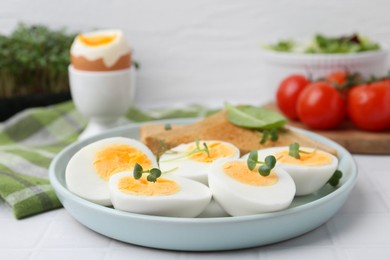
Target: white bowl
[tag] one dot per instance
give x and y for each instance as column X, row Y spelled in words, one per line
column 278, row 65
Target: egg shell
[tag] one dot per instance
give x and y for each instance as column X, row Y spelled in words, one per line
column 308, row 179
column 187, row 168
column 81, row 177
column 191, row 200
column 239, row 199
column 84, row 64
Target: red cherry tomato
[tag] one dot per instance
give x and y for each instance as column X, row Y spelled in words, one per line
column 337, row 78
column 288, row 92
column 321, row 106
column 369, row 106
column 343, row 80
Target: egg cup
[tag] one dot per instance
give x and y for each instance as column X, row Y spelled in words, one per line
column 103, row 97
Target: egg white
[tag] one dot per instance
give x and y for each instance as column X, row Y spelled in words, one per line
column 187, row 168
column 191, row 200
column 81, row 176
column 109, row 53
column 239, row 199
column 307, row 179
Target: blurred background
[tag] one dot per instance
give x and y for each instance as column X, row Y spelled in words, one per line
column 203, row 52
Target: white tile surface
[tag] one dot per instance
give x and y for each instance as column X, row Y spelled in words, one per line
column 299, row 253
column 376, row 253
column 14, row 254
column 67, row 254
column 361, row 230
column 65, row 232
column 21, row 234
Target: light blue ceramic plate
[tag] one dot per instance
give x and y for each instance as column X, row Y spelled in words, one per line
column 204, row 234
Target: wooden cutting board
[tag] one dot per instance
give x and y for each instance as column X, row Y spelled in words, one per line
column 353, row 139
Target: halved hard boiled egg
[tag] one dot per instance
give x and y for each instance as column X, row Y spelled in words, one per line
column 182, row 161
column 89, row 170
column 170, row 196
column 311, row 172
column 241, row 191
column 102, row 50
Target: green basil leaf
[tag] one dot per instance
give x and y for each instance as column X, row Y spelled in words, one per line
column 254, row 117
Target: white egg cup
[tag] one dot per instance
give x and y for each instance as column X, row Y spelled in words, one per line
column 103, row 97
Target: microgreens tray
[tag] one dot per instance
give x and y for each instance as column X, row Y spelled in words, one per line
column 204, row 234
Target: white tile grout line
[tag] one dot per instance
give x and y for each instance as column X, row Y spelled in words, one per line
column 44, row 234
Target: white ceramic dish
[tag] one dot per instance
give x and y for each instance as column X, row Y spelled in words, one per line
column 204, row 234
column 278, row 65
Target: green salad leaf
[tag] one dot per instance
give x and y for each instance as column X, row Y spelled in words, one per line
column 353, row 43
column 283, row 46
column 254, row 117
column 344, row 44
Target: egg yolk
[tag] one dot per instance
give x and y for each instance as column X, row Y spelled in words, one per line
column 216, row 150
column 96, row 40
column 145, row 188
column 117, row 158
column 240, row 172
column 315, row 158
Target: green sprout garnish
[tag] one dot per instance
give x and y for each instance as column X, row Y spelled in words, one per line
column 138, row 171
column 335, row 179
column 272, row 134
column 163, row 149
column 265, row 167
column 197, row 149
column 167, row 127
column 294, row 151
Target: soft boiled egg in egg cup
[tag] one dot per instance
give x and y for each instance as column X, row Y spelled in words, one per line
column 169, row 196
column 193, row 160
column 241, row 191
column 102, row 79
column 310, row 172
column 89, row 170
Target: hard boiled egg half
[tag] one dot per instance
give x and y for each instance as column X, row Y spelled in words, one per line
column 241, row 191
column 89, row 170
column 170, row 196
column 310, row 173
column 102, row 50
column 183, row 162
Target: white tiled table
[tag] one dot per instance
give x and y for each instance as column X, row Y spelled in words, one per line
column 360, row 230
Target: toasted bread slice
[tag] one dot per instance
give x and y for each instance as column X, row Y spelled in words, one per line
column 217, row 127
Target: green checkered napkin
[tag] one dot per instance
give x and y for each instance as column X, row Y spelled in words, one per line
column 31, row 139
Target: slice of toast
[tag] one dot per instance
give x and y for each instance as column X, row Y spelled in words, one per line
column 217, row 127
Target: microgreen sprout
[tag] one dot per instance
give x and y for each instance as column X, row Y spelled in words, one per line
column 294, row 151
column 154, row 173
column 265, row 167
column 335, row 179
column 272, row 134
column 167, row 127
column 198, row 149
